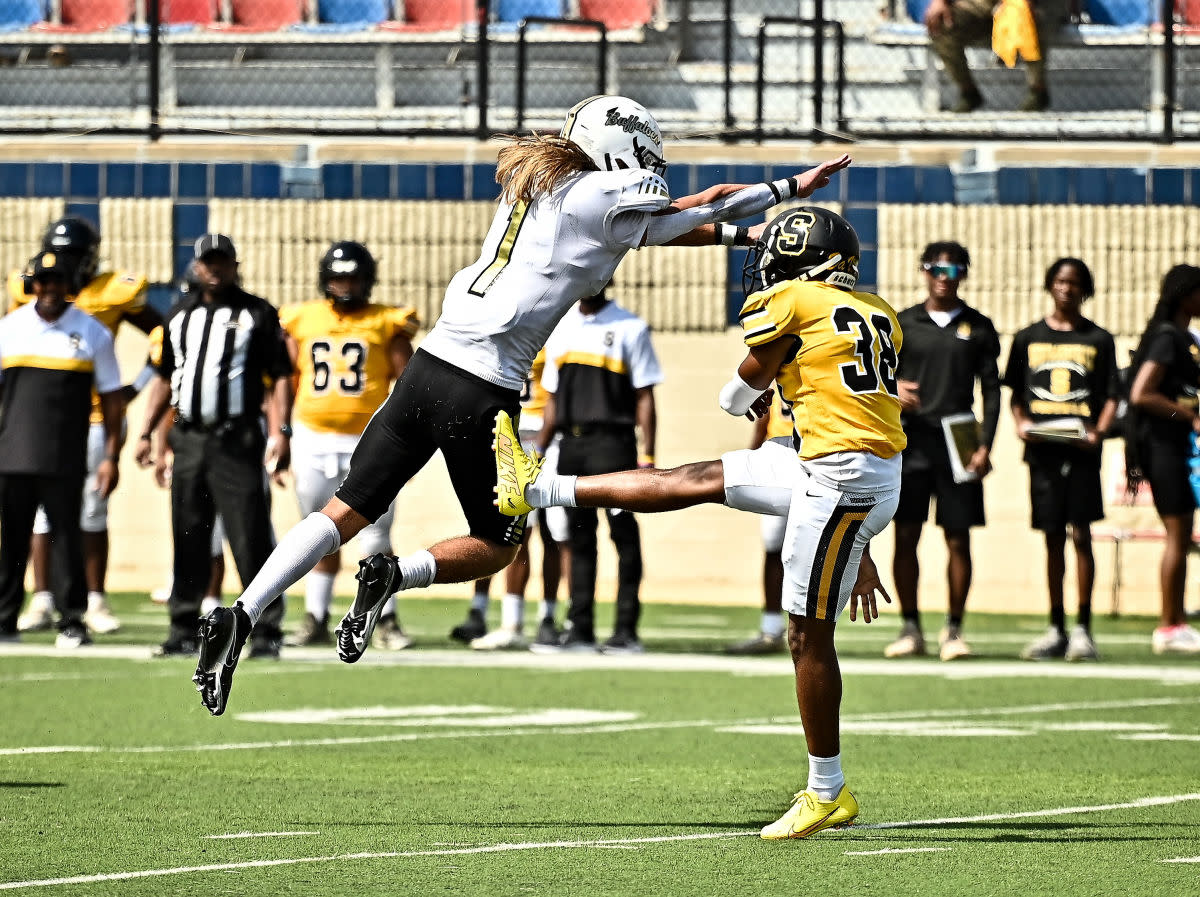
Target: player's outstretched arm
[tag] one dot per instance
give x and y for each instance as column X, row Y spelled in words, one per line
column 692, row 220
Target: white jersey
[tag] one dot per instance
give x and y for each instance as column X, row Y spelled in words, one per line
column 537, row 261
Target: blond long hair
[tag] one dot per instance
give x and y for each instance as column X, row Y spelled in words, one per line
column 533, row 165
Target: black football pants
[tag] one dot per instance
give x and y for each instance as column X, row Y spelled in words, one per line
column 602, row 451
column 62, row 497
column 218, row 471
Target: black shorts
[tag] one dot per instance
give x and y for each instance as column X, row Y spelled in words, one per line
column 1166, row 468
column 926, row 475
column 1064, row 488
column 435, row 405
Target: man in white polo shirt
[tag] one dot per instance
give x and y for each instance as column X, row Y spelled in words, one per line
column 51, row 354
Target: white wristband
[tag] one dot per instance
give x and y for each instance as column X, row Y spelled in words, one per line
column 737, row 396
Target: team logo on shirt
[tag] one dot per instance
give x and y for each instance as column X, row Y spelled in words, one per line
column 76, row 340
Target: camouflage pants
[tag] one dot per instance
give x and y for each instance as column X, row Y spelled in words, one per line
column 973, row 26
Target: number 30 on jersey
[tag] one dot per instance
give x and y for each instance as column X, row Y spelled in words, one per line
column 874, row 365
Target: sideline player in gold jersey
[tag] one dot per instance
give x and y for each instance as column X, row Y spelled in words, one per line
column 834, row 351
column 110, row 297
column 346, row 351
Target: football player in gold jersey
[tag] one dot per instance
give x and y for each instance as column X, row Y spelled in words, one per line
column 110, row 297
column 833, row 350
column 346, row 351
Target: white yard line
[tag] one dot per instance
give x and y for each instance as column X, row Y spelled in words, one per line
column 550, row 845
column 236, row 835
column 295, row 659
column 1183, row 860
column 891, row 850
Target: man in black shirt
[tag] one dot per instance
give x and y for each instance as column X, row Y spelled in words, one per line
column 948, row 346
column 1063, row 374
column 221, row 346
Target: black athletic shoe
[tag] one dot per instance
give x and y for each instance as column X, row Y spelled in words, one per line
column 547, row 633
column 265, row 648
column 311, row 631
column 473, row 627
column 222, row 634
column 378, row 577
column 177, row 647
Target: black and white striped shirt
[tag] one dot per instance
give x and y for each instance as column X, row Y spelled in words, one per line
column 220, row 355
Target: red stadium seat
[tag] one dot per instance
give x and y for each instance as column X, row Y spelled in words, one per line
column 434, row 15
column 95, row 15
column 188, row 12
column 617, row 14
column 266, row 15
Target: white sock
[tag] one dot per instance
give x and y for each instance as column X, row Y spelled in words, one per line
column 547, row 610
column 479, row 602
column 772, row 624
column 308, row 541
column 95, row 598
column 551, row 491
column 512, row 611
column 42, row 599
column 389, row 608
column 318, row 594
column 825, row 776
column 417, row 570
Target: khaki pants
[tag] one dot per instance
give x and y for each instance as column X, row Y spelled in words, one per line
column 973, row 26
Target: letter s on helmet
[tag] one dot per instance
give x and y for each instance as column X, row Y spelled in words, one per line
column 616, row 133
column 806, row 243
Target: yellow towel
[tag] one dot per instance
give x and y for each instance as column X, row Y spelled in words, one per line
column 1014, row 32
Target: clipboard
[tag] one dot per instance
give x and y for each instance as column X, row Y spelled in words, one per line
column 962, row 441
column 1060, row 429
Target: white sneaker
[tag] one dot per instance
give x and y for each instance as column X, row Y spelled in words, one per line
column 1049, row 645
column 161, row 595
column 99, row 618
column 911, row 642
column 502, row 639
column 952, row 645
column 39, row 615
column 1081, row 646
column 1181, row 639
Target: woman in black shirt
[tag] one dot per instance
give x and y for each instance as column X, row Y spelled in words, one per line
column 1163, row 404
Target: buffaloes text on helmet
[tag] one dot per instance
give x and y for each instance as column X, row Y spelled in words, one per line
column 76, row 239
column 616, row 132
column 805, row 243
column 347, row 258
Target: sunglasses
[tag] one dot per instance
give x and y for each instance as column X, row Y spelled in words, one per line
column 944, row 269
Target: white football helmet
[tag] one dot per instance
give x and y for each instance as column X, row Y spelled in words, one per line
column 616, row 133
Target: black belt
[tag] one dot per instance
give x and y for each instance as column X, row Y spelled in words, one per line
column 225, row 426
column 597, row 428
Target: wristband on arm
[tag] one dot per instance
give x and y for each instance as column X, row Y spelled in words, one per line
column 737, row 396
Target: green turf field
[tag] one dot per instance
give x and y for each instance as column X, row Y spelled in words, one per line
column 442, row 771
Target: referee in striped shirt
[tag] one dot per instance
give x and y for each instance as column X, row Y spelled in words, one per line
column 223, row 356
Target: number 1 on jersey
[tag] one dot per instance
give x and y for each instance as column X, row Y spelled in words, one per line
column 503, row 251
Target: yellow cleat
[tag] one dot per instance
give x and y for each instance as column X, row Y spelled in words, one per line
column 809, row 815
column 514, row 468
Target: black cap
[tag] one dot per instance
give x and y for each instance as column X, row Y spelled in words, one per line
column 215, row 243
column 52, row 263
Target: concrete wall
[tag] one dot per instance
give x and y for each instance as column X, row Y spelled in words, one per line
column 705, row 554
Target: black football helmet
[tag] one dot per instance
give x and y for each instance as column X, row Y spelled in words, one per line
column 348, row 259
column 805, row 243
column 78, row 240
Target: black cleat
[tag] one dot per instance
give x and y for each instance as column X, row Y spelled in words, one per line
column 222, row 634
column 473, row 627
column 378, row 578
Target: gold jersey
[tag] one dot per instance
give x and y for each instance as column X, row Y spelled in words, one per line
column 844, row 370
column 109, row 298
column 343, row 364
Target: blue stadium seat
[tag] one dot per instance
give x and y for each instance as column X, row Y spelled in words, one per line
column 20, row 13
column 515, row 10
column 353, row 12
column 1122, row 12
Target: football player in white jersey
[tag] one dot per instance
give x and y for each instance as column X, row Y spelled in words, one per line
column 571, row 207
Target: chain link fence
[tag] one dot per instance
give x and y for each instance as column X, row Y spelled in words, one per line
column 735, row 69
